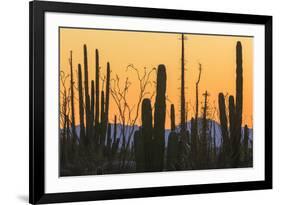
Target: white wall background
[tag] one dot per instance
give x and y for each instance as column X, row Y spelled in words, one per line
column 14, row 102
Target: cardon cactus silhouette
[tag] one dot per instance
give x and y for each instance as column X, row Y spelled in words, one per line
column 246, row 143
column 81, row 105
column 224, row 155
column 146, row 133
column 172, row 113
column 107, row 89
column 139, row 151
column 172, row 151
column 97, row 98
column 102, row 122
column 105, row 105
column 159, row 118
column 239, row 102
column 87, row 97
column 234, row 144
column 231, row 113
column 92, row 113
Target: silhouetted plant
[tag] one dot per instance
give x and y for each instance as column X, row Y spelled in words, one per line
column 246, row 144
column 159, row 118
column 172, row 151
column 183, row 111
column 87, row 97
column 204, row 154
column 81, row 106
column 239, row 104
column 146, row 134
column 97, row 99
column 172, row 113
column 224, row 155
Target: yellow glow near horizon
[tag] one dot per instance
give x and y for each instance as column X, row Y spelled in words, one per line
column 217, row 54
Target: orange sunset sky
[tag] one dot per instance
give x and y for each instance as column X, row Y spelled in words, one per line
column 217, row 54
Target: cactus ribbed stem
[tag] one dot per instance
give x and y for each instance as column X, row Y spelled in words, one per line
column 81, row 105
column 159, row 117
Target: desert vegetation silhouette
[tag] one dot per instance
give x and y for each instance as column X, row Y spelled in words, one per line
column 91, row 145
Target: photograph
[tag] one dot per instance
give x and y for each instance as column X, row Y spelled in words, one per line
column 133, row 101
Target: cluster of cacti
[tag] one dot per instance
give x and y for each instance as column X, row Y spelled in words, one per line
column 231, row 149
column 92, row 146
column 152, row 136
column 93, row 121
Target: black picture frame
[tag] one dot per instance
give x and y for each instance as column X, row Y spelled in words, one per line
column 37, row 11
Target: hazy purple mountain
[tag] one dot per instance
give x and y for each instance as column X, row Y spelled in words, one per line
column 214, row 132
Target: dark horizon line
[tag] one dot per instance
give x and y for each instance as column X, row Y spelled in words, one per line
column 145, row 31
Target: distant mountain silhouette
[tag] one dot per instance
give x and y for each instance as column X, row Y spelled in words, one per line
column 188, row 125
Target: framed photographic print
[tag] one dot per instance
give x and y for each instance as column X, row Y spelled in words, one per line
column 140, row 102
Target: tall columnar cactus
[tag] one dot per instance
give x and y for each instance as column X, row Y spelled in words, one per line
column 92, row 113
column 105, row 104
column 107, row 93
column 183, row 124
column 172, row 113
column 159, row 117
column 246, row 144
column 239, row 100
column 73, row 129
column 81, row 105
column 147, row 132
column 97, row 115
column 224, row 131
column 87, row 97
column 234, row 143
column 231, row 113
column 139, row 151
column 172, row 151
column 102, row 122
